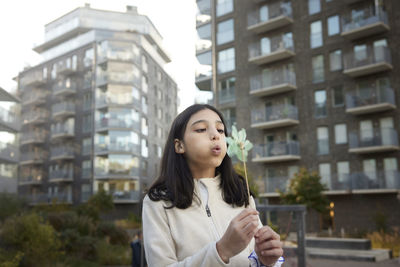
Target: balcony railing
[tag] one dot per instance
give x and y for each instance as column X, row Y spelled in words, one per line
column 275, row 16
column 61, row 130
column 34, row 97
column 274, row 116
column 362, row 63
column 364, row 24
column 9, row 152
column 377, row 100
column 64, row 174
column 31, row 179
column 374, row 140
column 63, row 109
column 375, row 180
column 277, row 48
column 117, row 77
column 117, row 147
column 276, row 184
column 276, row 151
column 33, row 137
column 35, row 116
column 62, row 152
column 67, row 66
column 9, row 119
column 31, row 157
column 279, row 81
column 103, row 173
column 116, row 123
column 105, row 100
column 203, row 80
column 125, row 196
column 113, row 54
column 48, row 199
column 64, row 89
column 33, row 78
column 226, row 96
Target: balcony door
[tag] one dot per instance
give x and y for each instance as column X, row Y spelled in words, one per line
column 366, row 132
column 264, row 13
column 369, row 168
column 379, row 50
column 265, row 44
column 391, row 172
column 386, row 126
column 325, row 173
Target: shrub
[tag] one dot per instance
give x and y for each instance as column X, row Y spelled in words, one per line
column 382, row 239
column 10, row 205
column 78, row 246
column 10, row 258
column 32, row 236
column 70, row 220
column 108, row 254
column 116, row 235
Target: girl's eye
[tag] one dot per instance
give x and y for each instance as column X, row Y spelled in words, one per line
column 221, row 131
column 200, row 130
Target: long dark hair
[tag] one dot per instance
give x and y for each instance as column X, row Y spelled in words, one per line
column 175, row 183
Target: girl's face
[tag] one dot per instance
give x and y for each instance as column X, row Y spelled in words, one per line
column 203, row 144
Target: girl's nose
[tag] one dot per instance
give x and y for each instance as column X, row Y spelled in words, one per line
column 214, row 134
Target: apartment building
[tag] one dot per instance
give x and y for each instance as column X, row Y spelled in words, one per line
column 316, row 85
column 96, row 110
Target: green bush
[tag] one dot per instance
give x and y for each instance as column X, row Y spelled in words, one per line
column 108, row 254
column 116, row 235
column 78, row 246
column 10, row 258
column 34, row 237
column 70, row 220
column 388, row 240
column 10, row 205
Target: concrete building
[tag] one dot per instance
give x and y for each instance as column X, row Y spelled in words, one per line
column 96, row 111
column 9, row 152
column 316, row 85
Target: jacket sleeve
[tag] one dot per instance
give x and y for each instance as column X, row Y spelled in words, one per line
column 159, row 245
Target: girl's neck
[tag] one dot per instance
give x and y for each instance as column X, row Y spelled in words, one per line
column 202, row 173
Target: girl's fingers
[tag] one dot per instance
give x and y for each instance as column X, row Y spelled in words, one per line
column 268, row 245
column 276, row 252
column 246, row 212
column 266, row 233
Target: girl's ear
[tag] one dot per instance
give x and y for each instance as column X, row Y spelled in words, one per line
column 179, row 148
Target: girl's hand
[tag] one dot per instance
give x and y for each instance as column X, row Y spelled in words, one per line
column 268, row 246
column 240, row 231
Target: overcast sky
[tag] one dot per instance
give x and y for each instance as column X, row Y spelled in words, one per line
column 22, row 27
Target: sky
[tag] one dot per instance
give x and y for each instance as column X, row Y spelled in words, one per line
column 22, row 27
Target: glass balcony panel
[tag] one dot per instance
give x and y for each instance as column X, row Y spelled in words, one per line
column 381, row 139
column 274, row 113
column 277, row 148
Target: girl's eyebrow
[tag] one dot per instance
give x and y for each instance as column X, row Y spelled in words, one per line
column 200, row 121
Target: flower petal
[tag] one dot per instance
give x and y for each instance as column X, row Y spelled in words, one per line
column 248, row 145
column 234, row 132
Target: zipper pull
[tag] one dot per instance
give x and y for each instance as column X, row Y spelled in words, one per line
column 208, row 211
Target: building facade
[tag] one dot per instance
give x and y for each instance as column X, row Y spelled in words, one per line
column 96, row 111
column 9, row 152
column 316, row 85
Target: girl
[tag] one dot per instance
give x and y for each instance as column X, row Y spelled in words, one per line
column 198, row 213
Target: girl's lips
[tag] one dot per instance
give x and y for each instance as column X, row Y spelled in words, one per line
column 216, row 150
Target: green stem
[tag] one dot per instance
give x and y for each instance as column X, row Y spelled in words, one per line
column 245, row 173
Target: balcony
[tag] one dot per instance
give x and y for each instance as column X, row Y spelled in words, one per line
column 112, row 53
column 279, row 16
column 277, row 152
column 34, row 98
column 38, row 116
column 274, row 49
column 63, row 109
column 114, row 77
column 109, row 100
column 35, row 137
column 377, row 100
column 378, row 180
column 62, row 131
column 9, row 121
column 64, row 175
column 65, row 89
column 364, row 25
column 31, row 179
column 280, row 81
column 9, row 153
column 360, row 63
column 125, row 196
column 374, row 141
column 275, row 184
column 65, row 152
column 66, row 67
column 226, row 96
column 33, row 78
column 32, row 157
column 106, row 124
column 274, row 117
column 117, row 148
column 204, row 81
column 49, row 199
column 103, row 173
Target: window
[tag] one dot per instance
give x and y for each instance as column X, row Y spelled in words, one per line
column 366, row 131
column 204, row 32
column 325, row 173
column 225, row 32
column 318, row 69
column 226, row 60
column 144, row 104
column 369, row 168
column 323, row 140
column 360, row 52
column 314, row 6
column 145, row 148
column 340, row 134
column 338, row 96
column 204, row 58
column 159, row 113
column 87, row 101
column 333, row 25
column 159, row 151
column 144, row 64
column 320, row 103
column 335, row 60
column 224, row 7
column 343, row 171
column 87, row 80
column 86, row 168
column 88, row 58
column 227, row 90
column 145, row 127
column 316, row 34
column 86, row 146
column 145, row 85
column 87, row 123
column 85, row 192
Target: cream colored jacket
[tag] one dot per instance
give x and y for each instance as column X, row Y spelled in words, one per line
column 187, row 237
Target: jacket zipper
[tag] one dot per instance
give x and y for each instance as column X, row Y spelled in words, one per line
column 208, row 211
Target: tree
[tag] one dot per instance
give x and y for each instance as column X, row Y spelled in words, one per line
column 306, row 188
column 101, row 202
column 10, row 205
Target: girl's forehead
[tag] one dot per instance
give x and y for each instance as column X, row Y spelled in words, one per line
column 204, row 115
